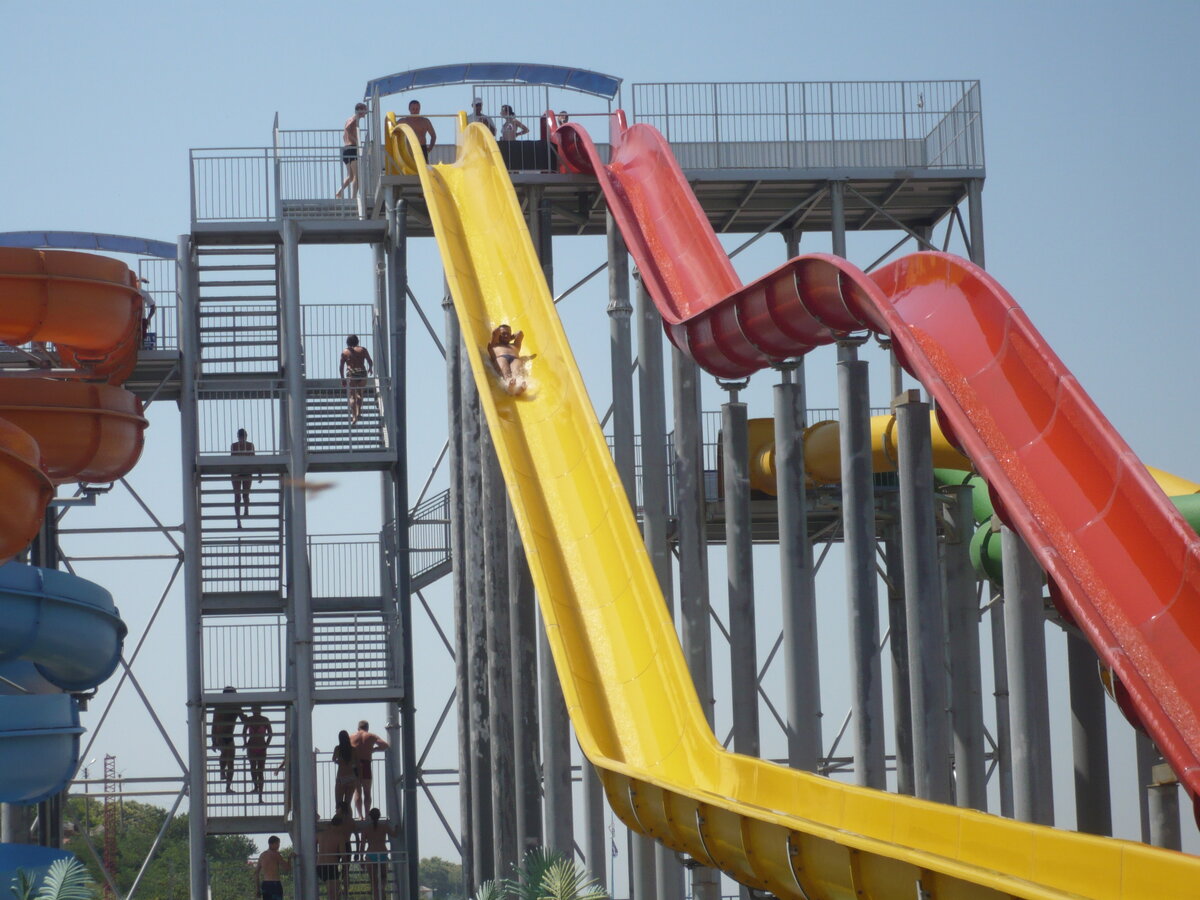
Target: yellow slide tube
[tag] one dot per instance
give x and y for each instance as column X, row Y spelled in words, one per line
column 623, row 674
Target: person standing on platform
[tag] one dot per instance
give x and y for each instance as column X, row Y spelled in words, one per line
column 354, row 367
column 270, row 864
column 345, row 781
column 512, row 128
column 421, row 127
column 373, row 844
column 477, row 115
column 365, row 743
column 350, row 151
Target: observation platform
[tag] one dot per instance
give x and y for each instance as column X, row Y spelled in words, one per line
column 760, row 156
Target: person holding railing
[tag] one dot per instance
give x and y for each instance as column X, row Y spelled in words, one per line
column 354, row 368
column 365, row 743
column 350, row 151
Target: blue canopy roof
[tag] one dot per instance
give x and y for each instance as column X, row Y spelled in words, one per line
column 580, row 80
column 87, row 240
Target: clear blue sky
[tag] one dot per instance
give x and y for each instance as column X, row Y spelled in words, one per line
column 1091, row 130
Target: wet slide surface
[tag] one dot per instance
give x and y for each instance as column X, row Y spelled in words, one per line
column 1125, row 562
column 624, row 678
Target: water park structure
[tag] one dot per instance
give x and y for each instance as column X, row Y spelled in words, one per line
column 994, row 499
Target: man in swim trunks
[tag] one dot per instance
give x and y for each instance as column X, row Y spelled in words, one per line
column 354, row 368
column 330, row 841
column 350, row 151
column 224, row 720
column 365, row 743
column 421, row 126
column 270, row 864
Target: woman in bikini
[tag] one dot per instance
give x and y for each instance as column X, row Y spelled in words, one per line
column 256, row 737
column 354, row 368
column 505, row 352
column 346, row 779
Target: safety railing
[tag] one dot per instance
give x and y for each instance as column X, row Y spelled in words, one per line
column 230, row 565
column 246, row 653
column 329, row 426
column 429, row 535
column 859, row 124
column 350, row 650
column 244, row 771
column 326, row 327
column 344, row 566
column 222, row 412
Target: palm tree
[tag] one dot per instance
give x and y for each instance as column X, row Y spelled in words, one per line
column 544, row 875
column 67, row 879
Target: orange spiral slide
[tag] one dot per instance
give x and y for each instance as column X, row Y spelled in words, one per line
column 62, row 634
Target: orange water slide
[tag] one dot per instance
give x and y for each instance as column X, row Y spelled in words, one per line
column 56, row 430
column 1122, row 557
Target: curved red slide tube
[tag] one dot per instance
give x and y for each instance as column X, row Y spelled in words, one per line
column 1122, row 557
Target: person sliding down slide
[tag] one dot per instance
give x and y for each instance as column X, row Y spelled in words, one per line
column 505, row 351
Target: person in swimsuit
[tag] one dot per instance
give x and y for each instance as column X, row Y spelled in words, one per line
column 373, row 843
column 270, row 865
column 350, row 151
column 224, row 721
column 512, row 127
column 256, row 737
column 329, row 852
column 346, row 780
column 354, row 367
column 241, row 480
column 421, row 126
column 365, row 743
column 505, row 352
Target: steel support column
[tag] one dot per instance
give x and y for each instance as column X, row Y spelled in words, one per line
column 1025, row 639
column 526, row 740
column 1089, row 738
column 652, row 403
column 476, row 661
column 189, row 431
column 458, row 575
column 862, row 592
column 297, row 576
column 962, row 619
column 556, row 734
column 926, row 611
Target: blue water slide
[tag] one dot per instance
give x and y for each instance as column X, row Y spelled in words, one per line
column 60, row 634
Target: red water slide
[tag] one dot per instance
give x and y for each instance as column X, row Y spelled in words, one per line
column 1124, row 561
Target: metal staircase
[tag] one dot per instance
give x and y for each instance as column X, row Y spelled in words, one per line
column 327, row 425
column 241, row 555
column 238, row 310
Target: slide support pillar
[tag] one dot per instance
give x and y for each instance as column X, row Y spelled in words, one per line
column 975, row 219
column 556, row 735
column 743, row 651
column 858, row 528
column 1025, row 639
column 1163, row 796
column 655, row 509
column 458, row 576
column 902, row 717
column 299, row 588
column 1089, row 738
column 962, row 617
column 189, row 429
column 526, row 737
column 925, row 607
column 476, row 659
column 801, row 659
column 499, row 654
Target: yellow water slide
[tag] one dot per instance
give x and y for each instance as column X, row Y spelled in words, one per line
column 627, row 687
